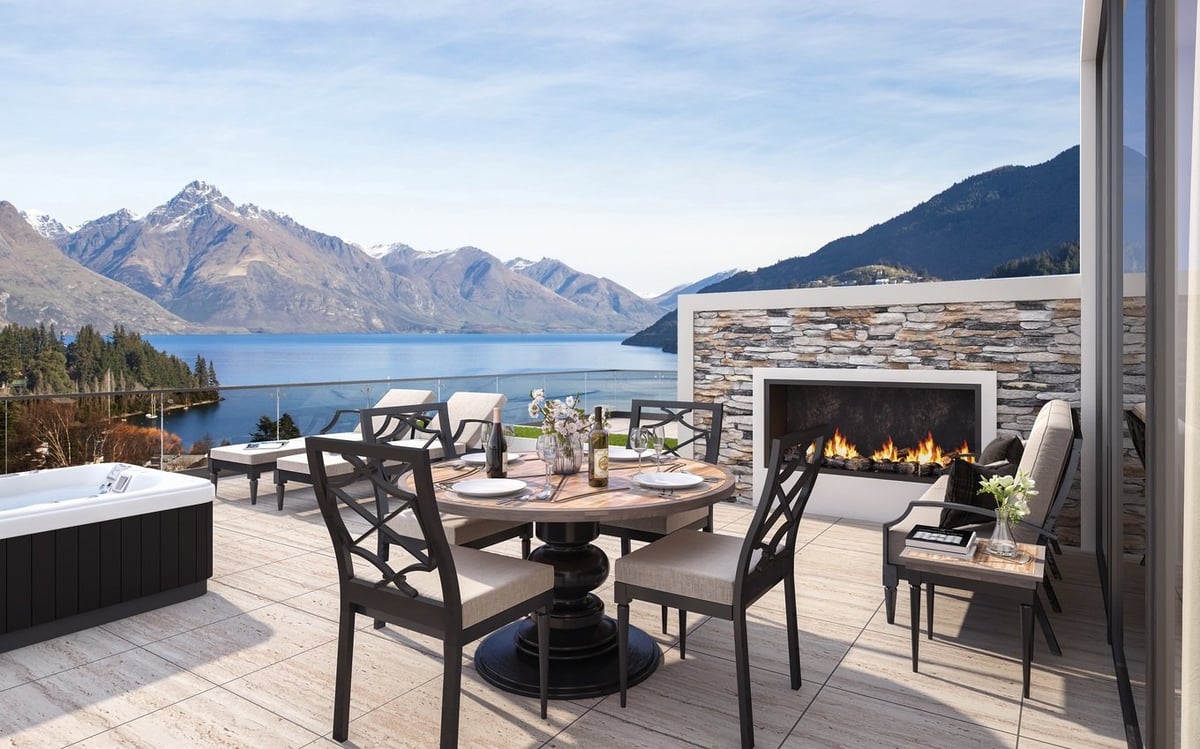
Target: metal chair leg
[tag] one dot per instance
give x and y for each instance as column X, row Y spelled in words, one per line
column 543, row 625
column 742, row 664
column 793, row 630
column 623, row 649
column 345, row 669
column 451, row 693
column 1051, row 596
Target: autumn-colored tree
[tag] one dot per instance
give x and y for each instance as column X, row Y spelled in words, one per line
column 127, row 443
column 66, row 433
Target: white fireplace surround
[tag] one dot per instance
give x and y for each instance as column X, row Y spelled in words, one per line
column 864, row 498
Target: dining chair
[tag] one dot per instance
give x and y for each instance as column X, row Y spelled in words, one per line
column 427, row 426
column 453, row 593
column 694, row 425
column 722, row 576
column 295, row 467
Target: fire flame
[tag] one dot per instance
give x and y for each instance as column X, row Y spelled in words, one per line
column 838, row 447
column 962, row 453
column 887, row 452
column 927, row 451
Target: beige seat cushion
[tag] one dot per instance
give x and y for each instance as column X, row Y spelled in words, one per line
column 334, row 466
column 256, row 456
column 459, row 530
column 398, row 397
column 687, row 563
column 468, row 405
column 664, row 524
column 1044, row 459
column 489, row 583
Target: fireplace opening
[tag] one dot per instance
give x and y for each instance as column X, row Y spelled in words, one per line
column 908, row 431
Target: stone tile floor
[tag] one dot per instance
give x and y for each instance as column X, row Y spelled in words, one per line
column 251, row 664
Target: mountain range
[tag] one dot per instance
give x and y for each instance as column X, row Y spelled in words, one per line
column 200, row 261
column 991, row 219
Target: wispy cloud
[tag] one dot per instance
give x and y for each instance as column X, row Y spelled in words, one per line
column 619, row 136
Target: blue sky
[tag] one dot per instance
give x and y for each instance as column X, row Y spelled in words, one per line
column 650, row 142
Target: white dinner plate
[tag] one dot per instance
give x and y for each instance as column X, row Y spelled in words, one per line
column 676, row 480
column 478, row 459
column 622, row 454
column 488, row 487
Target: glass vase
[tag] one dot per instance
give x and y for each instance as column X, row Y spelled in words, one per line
column 1001, row 544
column 570, row 455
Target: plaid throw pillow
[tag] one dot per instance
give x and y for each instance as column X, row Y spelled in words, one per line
column 963, row 488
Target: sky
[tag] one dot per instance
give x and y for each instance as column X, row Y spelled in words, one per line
column 650, row 142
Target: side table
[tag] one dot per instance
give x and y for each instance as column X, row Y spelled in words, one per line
column 251, row 459
column 1014, row 581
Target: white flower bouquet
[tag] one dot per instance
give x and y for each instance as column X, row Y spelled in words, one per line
column 1012, row 494
column 563, row 418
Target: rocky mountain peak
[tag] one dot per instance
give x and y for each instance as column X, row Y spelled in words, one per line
column 46, row 225
column 194, row 197
column 518, row 264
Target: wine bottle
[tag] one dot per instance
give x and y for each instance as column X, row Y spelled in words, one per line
column 598, row 452
column 496, row 451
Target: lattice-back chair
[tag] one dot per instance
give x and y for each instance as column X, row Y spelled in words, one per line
column 694, row 425
column 719, row 575
column 453, row 593
column 295, row 467
column 427, row 427
column 424, row 426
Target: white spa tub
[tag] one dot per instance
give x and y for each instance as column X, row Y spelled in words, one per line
column 87, row 545
column 37, row 501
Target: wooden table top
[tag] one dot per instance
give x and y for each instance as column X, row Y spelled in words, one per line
column 982, row 566
column 574, row 501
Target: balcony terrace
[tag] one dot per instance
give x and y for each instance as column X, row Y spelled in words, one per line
column 250, row 664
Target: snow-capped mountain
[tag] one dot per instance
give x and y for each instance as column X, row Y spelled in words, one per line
column 46, row 225
column 245, row 267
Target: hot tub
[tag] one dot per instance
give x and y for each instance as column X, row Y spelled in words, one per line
column 86, row 545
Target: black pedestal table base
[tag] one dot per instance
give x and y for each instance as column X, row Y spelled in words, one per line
column 583, row 641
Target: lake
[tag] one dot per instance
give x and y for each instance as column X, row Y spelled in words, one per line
column 374, row 361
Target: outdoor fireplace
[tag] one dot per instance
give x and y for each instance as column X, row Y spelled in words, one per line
column 909, row 431
column 867, row 406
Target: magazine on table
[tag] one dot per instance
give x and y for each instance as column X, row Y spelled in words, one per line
column 273, row 445
column 941, row 540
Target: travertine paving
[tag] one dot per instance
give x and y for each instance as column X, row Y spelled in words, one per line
column 251, row 664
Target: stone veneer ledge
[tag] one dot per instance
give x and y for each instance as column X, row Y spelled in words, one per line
column 1025, row 329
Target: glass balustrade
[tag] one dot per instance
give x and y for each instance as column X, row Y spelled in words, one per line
column 174, row 429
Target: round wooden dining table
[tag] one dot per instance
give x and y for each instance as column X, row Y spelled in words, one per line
column 583, row 640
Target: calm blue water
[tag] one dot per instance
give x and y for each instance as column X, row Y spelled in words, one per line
column 439, row 362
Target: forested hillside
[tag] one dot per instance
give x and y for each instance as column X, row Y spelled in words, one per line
column 37, row 360
column 120, row 370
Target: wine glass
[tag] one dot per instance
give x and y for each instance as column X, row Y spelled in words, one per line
column 659, row 446
column 547, row 450
column 640, row 441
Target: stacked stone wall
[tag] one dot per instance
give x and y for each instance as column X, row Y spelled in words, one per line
column 1033, row 346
